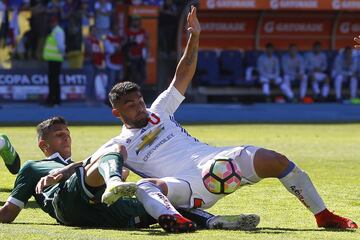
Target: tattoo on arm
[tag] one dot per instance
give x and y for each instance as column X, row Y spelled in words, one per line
column 190, row 59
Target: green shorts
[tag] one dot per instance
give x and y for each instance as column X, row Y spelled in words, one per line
column 77, row 205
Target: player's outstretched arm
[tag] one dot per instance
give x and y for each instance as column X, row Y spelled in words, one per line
column 357, row 40
column 185, row 69
column 53, row 178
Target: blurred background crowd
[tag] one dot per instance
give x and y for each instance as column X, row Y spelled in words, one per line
column 110, row 49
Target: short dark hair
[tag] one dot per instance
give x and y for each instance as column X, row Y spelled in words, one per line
column 122, row 89
column 43, row 127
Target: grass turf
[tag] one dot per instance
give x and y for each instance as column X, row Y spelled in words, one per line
column 329, row 153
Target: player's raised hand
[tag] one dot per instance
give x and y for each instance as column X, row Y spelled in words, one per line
column 47, row 181
column 193, row 23
column 357, row 40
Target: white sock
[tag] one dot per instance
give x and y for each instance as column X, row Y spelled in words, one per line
column 266, row 89
column 154, row 201
column 338, row 83
column 353, row 87
column 285, row 88
column 315, row 86
column 298, row 183
column 303, row 87
column 325, row 90
column 2, row 143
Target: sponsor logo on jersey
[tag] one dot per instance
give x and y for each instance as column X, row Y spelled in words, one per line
column 149, row 138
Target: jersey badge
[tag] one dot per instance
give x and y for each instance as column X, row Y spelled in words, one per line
column 149, row 138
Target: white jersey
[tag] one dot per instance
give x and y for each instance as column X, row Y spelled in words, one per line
column 162, row 148
column 316, row 61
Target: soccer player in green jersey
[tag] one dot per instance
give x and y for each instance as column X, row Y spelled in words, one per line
column 76, row 200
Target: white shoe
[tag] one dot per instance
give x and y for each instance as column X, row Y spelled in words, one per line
column 118, row 189
column 234, row 222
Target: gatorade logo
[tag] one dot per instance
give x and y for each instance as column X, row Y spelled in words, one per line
column 345, row 27
column 211, row 4
column 336, row 4
column 274, row 4
column 269, row 27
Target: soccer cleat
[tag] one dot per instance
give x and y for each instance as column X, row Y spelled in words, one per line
column 118, row 189
column 234, row 222
column 327, row 219
column 176, row 223
column 9, row 155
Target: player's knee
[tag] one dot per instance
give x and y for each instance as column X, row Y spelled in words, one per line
column 158, row 183
column 279, row 161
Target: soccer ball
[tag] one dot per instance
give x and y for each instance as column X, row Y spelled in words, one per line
column 221, row 176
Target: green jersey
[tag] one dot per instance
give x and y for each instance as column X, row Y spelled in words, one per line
column 28, row 177
column 72, row 202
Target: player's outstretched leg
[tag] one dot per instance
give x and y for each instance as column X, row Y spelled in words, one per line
column 206, row 220
column 175, row 223
column 150, row 193
column 327, row 219
column 110, row 168
column 9, row 155
column 269, row 164
column 234, row 222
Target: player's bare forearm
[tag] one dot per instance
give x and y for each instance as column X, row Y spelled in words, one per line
column 53, row 178
column 69, row 170
column 187, row 65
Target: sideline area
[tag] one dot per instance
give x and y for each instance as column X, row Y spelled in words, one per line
column 79, row 113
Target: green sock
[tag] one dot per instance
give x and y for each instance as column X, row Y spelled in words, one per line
column 110, row 166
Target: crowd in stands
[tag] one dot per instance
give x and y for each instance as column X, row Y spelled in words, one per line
column 105, row 49
column 318, row 70
column 122, row 56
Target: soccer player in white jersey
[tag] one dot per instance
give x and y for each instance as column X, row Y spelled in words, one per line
column 171, row 161
column 316, row 65
column 268, row 66
column 293, row 66
column 345, row 69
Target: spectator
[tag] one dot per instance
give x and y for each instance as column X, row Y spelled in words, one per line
column 293, row 66
column 103, row 11
column 39, row 27
column 67, row 10
column 136, row 2
column 73, row 32
column 94, row 62
column 316, row 64
column 168, row 23
column 153, row 2
column 4, row 23
column 113, row 44
column 53, row 8
column 54, row 51
column 137, row 50
column 345, row 69
column 269, row 72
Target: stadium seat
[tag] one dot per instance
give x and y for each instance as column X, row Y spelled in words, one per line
column 207, row 72
column 251, row 74
column 231, row 67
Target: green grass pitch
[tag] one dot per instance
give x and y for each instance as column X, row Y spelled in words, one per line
column 329, row 153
